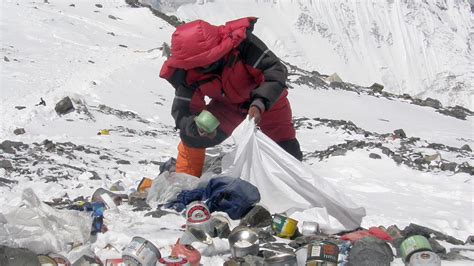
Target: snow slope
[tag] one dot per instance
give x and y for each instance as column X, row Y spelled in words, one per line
column 424, row 48
column 56, row 50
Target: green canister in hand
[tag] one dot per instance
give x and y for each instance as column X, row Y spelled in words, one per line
column 206, row 122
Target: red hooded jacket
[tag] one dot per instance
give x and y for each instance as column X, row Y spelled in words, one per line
column 245, row 72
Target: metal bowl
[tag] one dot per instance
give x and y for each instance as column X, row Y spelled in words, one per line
column 243, row 241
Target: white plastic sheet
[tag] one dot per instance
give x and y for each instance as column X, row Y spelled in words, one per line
column 167, row 186
column 286, row 184
column 41, row 228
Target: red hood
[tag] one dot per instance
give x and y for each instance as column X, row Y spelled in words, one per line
column 198, row 43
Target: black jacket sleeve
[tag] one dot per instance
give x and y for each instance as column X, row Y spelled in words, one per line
column 257, row 55
column 180, row 109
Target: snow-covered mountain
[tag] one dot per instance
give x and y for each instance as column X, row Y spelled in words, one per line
column 106, row 58
column 423, row 48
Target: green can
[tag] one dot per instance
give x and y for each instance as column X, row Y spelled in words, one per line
column 414, row 244
column 284, row 226
column 207, row 121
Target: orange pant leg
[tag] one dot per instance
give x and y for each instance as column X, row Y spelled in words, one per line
column 190, row 160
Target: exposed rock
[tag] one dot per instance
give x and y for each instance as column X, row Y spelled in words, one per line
column 457, row 111
column 49, row 179
column 122, row 161
column 113, row 17
column 339, row 152
column 470, row 240
column 64, row 106
column 387, row 151
column 370, row 251
column 400, row 133
column 72, row 5
column 94, row 176
column 123, row 45
column 258, row 216
column 5, row 58
column 166, row 50
column 436, row 146
column 406, row 96
column 121, row 114
column 111, row 33
column 104, row 157
column 49, row 145
column 466, row 147
column 436, row 247
column 450, row 166
column 20, row 107
column 19, row 131
column 158, row 213
column 172, row 20
column 397, row 158
column 431, row 103
column 6, row 164
column 466, row 168
column 375, row 156
column 99, row 5
column 17, row 256
column 137, row 196
column 7, row 146
column 141, row 205
column 7, row 181
column 79, row 148
column 455, row 254
column 133, row 3
column 414, row 229
column 377, row 87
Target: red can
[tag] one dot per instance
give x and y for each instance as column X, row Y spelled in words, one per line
column 189, row 252
column 173, row 261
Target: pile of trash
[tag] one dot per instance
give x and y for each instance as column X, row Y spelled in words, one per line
column 264, row 208
column 223, row 218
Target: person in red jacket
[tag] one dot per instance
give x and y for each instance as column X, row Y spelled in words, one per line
column 239, row 74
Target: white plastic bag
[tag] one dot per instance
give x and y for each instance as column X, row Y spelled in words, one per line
column 286, row 184
column 41, row 228
column 166, row 187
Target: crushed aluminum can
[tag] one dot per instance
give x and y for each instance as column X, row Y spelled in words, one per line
column 198, row 216
column 309, row 228
column 172, row 261
column 140, row 252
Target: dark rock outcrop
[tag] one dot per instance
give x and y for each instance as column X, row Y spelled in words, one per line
column 64, row 106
